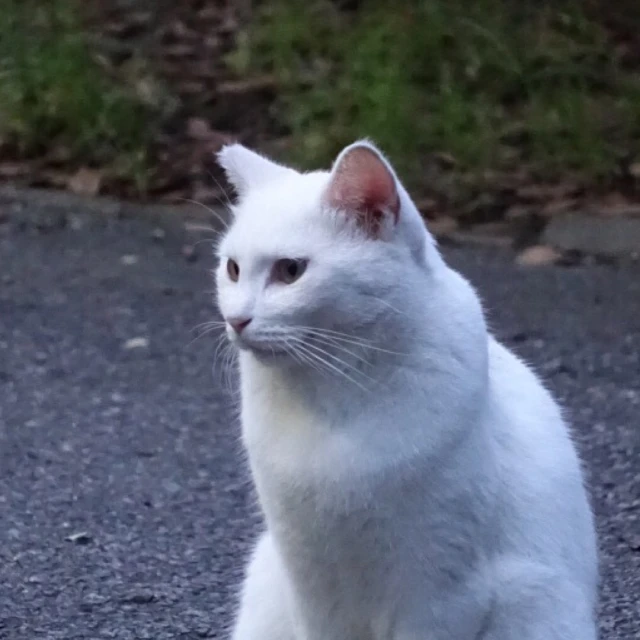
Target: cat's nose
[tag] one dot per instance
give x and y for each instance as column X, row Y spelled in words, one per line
column 239, row 324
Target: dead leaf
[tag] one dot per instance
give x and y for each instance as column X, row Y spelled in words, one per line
column 425, row 205
column 442, row 226
column 613, row 200
column 54, row 178
column 150, row 91
column 138, row 597
column 559, row 206
column 444, row 160
column 13, row 169
column 246, row 86
column 199, row 129
column 179, row 51
column 628, row 210
column 85, row 182
column 517, row 212
column 538, row 255
column 538, row 192
column 208, row 195
column 82, row 537
column 492, row 229
column 634, row 170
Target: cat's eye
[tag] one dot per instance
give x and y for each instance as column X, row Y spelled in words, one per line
column 288, row 270
column 233, row 270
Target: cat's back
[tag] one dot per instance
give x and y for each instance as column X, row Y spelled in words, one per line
column 546, row 513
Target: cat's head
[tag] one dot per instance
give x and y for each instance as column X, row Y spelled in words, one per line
column 321, row 261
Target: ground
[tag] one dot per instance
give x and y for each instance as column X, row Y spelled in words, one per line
column 126, row 507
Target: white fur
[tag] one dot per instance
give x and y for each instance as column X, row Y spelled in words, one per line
column 423, row 486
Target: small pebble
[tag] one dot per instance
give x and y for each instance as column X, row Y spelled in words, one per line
column 158, row 234
column 136, row 343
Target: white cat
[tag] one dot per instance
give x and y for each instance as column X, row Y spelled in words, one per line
column 417, row 480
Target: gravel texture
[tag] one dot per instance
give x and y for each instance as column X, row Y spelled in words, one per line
column 125, row 508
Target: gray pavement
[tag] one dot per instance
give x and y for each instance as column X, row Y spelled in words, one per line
column 125, row 508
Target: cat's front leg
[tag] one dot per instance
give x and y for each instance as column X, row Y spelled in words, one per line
column 535, row 603
column 264, row 608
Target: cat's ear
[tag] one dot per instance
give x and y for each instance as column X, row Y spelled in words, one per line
column 363, row 184
column 246, row 169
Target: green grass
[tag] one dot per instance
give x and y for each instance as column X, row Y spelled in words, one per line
column 54, row 93
column 491, row 82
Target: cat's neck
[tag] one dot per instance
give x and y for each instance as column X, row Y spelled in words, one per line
column 342, row 382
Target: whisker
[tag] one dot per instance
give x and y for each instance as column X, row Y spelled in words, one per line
column 297, row 357
column 228, row 202
column 189, row 226
column 304, row 349
column 353, row 340
column 219, row 345
column 388, row 304
column 336, row 345
column 214, row 213
column 228, row 358
column 334, row 333
column 337, row 359
column 311, row 360
column 209, row 323
column 206, row 331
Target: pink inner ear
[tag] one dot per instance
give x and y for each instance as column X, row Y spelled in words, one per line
column 363, row 184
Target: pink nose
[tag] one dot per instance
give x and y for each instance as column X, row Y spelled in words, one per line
column 238, row 324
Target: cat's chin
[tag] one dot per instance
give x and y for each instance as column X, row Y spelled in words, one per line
column 264, row 353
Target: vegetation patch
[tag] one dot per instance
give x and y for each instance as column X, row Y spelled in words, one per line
column 481, row 105
column 490, row 83
column 55, row 97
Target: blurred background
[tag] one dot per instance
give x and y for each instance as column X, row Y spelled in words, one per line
column 499, row 114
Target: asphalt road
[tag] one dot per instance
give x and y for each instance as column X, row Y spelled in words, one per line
column 125, row 509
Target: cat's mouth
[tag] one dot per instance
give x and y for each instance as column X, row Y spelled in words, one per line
column 262, row 350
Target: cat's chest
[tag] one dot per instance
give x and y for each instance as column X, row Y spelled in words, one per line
column 294, row 445
column 299, row 440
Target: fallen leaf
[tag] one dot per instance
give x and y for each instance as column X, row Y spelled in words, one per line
column 204, row 195
column 444, row 160
column 517, row 212
column 136, row 343
column 559, row 206
column 246, row 86
column 179, row 51
column 613, row 200
column 425, row 205
column 538, row 192
column 199, row 129
column 538, row 255
column 442, row 226
column 496, row 229
column 634, row 170
column 85, row 182
column 630, row 210
column 138, row 597
column 54, row 178
column 13, row 169
column 82, row 537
